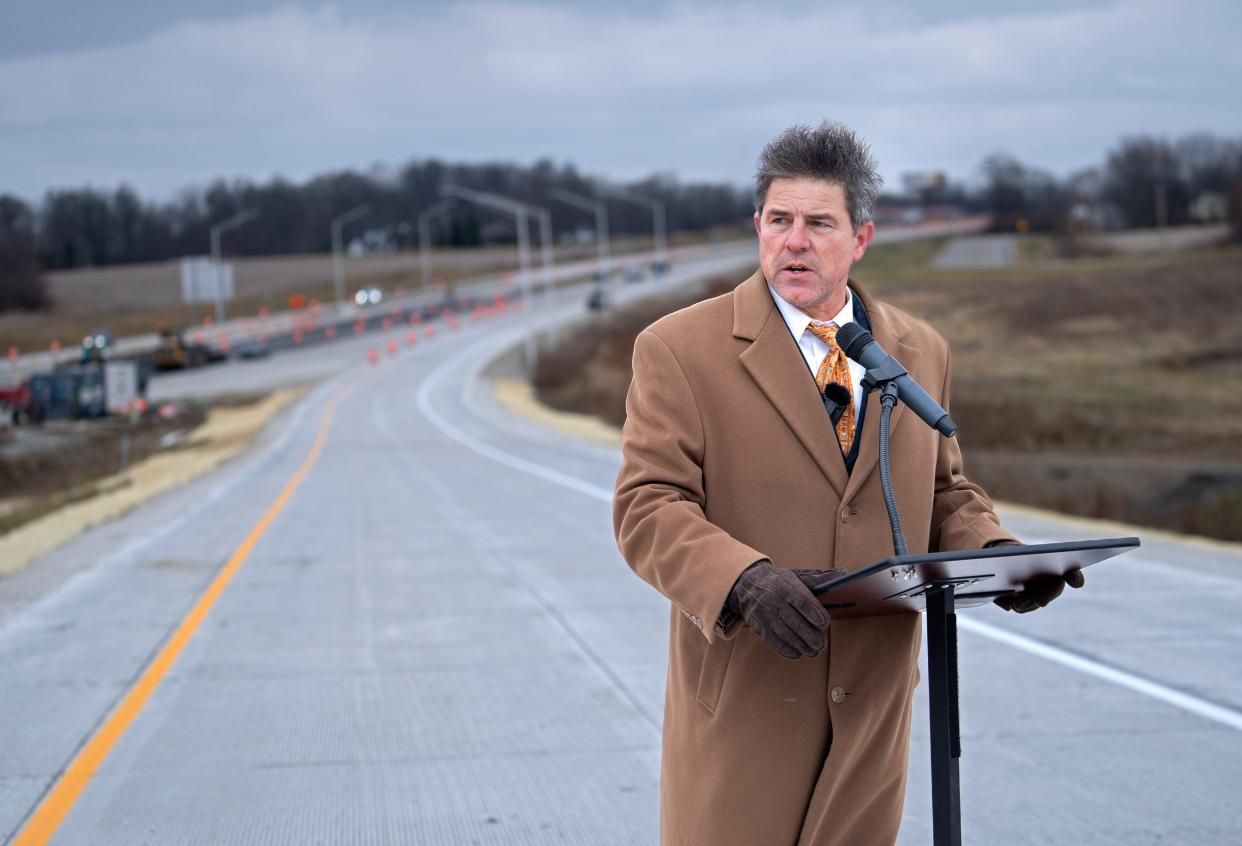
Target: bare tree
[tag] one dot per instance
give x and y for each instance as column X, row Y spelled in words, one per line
column 21, row 278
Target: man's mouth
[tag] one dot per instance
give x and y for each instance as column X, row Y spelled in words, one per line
column 796, row 269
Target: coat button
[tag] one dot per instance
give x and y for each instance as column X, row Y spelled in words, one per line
column 845, row 514
column 838, row 695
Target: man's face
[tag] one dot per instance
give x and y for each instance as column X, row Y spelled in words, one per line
column 807, row 245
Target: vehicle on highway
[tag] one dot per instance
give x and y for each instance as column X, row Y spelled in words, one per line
column 368, row 296
column 598, row 299
column 15, row 401
column 175, row 353
column 96, row 347
column 251, row 348
column 70, row 393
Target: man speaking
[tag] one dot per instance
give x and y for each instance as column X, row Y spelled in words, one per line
column 749, row 469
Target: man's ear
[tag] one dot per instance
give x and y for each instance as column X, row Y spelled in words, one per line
column 756, row 223
column 862, row 239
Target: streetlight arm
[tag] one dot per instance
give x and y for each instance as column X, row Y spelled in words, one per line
column 483, row 198
column 234, row 222
column 435, row 209
column 350, row 216
column 576, row 200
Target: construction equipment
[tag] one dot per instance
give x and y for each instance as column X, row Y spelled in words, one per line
column 96, row 347
column 175, row 353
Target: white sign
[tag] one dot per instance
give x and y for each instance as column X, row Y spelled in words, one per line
column 201, row 278
column 120, row 385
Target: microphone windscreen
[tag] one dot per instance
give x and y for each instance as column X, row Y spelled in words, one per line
column 851, row 338
column 838, row 394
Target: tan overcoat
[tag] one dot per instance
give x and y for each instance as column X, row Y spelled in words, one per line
column 729, row 458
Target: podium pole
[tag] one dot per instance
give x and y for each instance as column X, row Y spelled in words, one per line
column 946, row 745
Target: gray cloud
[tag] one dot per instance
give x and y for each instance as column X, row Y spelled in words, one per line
column 619, row 90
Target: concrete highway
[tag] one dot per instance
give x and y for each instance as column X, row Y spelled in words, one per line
column 401, row 618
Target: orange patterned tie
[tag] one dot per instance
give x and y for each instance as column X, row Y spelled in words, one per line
column 835, row 368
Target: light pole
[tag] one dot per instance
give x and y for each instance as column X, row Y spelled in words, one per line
column 657, row 218
column 545, row 247
column 216, row 231
column 600, row 208
column 424, row 236
column 338, row 261
column 520, row 212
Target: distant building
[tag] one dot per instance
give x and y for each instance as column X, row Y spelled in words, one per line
column 1209, row 207
column 922, row 183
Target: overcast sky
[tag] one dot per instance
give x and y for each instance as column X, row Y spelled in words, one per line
column 165, row 95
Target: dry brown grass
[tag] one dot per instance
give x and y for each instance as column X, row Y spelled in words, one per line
column 1105, row 387
column 60, row 462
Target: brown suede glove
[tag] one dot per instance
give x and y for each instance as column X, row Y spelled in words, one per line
column 1038, row 592
column 780, row 609
column 811, row 578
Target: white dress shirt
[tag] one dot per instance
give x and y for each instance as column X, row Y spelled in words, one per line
column 813, row 349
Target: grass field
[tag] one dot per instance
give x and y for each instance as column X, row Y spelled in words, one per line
column 1105, row 386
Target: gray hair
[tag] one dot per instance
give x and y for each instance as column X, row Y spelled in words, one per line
column 831, row 152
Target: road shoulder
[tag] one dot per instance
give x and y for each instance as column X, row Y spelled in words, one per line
column 226, row 433
column 1203, row 555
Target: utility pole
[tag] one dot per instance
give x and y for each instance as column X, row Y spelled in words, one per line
column 424, row 236
column 216, row 231
column 1162, row 201
column 600, row 210
column 338, row 260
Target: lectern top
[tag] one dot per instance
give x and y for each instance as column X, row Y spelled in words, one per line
column 900, row 584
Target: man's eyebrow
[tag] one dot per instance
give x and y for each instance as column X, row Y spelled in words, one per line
column 815, row 215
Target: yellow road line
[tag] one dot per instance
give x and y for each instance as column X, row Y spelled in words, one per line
column 66, row 790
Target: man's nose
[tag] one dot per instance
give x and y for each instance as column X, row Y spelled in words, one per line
column 798, row 238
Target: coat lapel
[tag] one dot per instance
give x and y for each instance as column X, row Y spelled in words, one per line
column 775, row 363
column 889, row 329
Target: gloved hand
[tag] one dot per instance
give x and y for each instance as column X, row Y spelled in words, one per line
column 780, row 609
column 811, row 578
column 1038, row 592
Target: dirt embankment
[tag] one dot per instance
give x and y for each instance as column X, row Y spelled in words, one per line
column 65, row 479
column 1103, row 388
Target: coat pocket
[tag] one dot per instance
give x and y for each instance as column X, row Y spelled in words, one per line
column 712, row 674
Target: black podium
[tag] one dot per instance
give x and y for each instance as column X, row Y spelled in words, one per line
column 940, row 583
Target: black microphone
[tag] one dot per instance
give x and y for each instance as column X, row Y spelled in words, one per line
column 836, row 399
column 857, row 343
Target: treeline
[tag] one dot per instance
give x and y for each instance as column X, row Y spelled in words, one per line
column 21, row 279
column 1143, row 182
column 87, row 227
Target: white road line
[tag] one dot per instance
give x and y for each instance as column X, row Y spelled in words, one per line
column 1170, row 696
column 1155, row 690
column 523, row 465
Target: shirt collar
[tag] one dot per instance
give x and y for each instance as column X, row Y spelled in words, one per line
column 797, row 320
